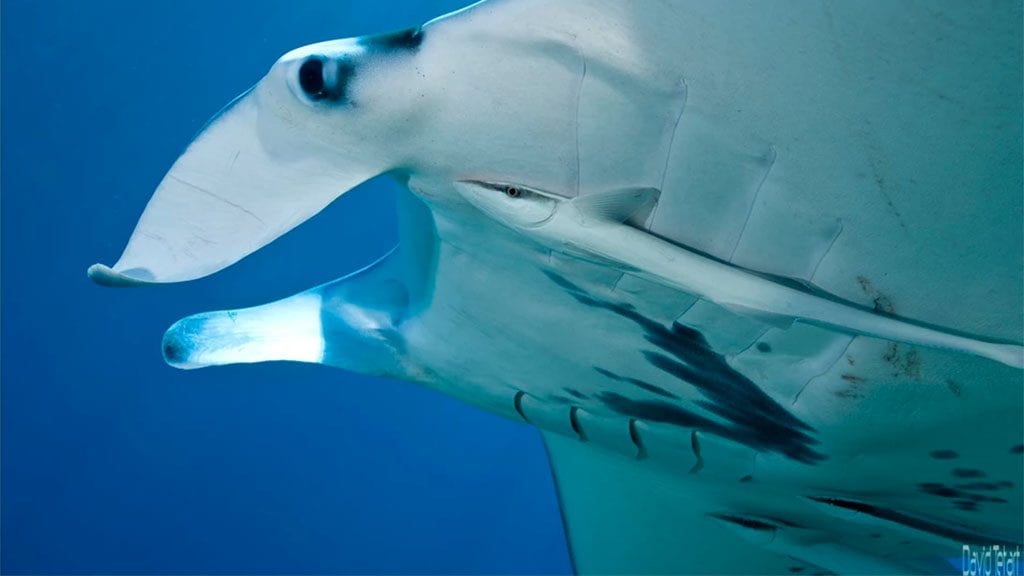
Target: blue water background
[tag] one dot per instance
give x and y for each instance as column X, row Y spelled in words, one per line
column 112, row 461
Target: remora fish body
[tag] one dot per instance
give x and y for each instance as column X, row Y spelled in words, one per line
column 604, row 226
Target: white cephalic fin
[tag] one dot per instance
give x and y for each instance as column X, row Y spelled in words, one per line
column 289, row 329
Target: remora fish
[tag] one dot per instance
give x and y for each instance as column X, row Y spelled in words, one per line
column 607, row 226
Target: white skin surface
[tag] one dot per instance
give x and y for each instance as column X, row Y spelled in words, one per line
column 561, row 225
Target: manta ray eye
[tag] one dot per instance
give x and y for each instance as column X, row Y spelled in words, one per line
column 311, row 78
column 512, row 192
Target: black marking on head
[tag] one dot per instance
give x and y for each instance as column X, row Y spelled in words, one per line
column 945, row 530
column 968, row 473
column 1018, row 449
column 755, row 419
column 408, row 39
column 764, row 347
column 575, row 393
column 638, row 383
column 749, row 523
column 944, row 454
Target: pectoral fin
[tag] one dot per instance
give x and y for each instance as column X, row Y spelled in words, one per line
column 631, row 206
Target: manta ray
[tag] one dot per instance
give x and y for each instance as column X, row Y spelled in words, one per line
column 753, row 269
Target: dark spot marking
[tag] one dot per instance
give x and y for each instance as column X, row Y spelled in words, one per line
column 947, row 531
column 874, row 535
column 906, row 364
column 966, row 505
column 749, row 523
column 954, row 387
column 852, row 378
column 408, row 39
column 563, row 282
column 559, row 399
column 944, row 454
column 764, row 347
column 1005, row 484
column 755, row 419
column 796, row 569
column 575, row 393
column 983, row 486
column 1018, row 449
column 968, row 473
column 747, row 478
column 882, row 303
column 655, row 411
column 983, row 498
column 940, row 490
column 638, row 383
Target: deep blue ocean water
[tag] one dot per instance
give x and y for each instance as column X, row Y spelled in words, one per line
column 113, row 462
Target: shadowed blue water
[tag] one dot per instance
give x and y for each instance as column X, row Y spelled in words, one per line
column 114, row 462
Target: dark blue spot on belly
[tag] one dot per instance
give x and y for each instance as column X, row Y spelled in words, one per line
column 940, row 490
column 638, row 383
column 944, row 454
column 753, row 418
column 748, row 523
column 946, row 530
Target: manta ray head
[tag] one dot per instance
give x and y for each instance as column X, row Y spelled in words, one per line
column 331, row 115
column 433, row 106
column 317, row 125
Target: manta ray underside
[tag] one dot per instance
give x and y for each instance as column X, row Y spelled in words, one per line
column 865, row 153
